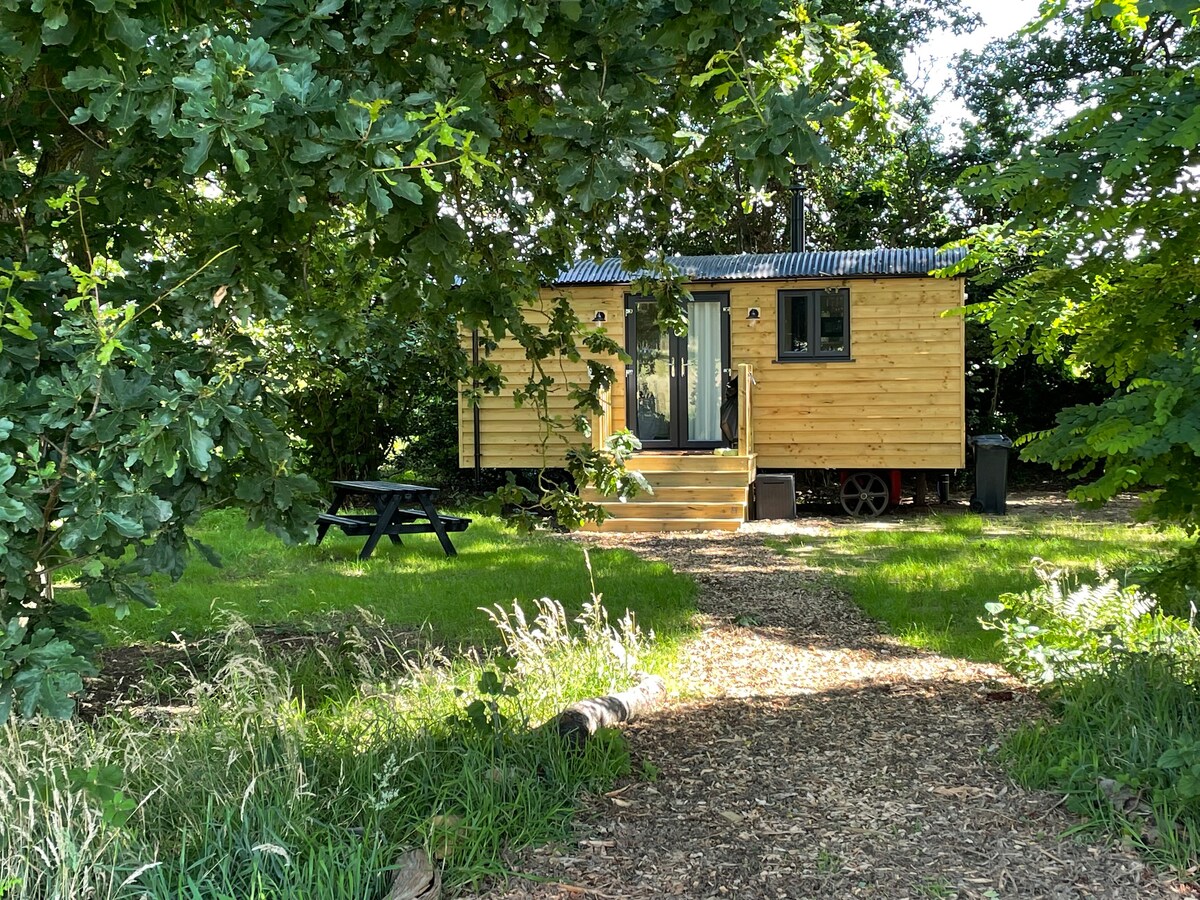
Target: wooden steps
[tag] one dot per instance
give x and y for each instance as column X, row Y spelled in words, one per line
column 691, row 492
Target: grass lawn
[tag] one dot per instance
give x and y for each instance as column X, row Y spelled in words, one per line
column 265, row 582
column 928, row 577
column 261, row 770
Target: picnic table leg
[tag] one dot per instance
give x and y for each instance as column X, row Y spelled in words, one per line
column 338, row 496
column 381, row 526
column 380, row 503
column 438, row 528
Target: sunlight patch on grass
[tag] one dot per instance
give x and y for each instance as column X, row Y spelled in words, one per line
column 928, row 579
column 412, row 585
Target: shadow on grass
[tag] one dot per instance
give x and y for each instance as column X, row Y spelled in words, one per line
column 323, row 614
column 413, row 586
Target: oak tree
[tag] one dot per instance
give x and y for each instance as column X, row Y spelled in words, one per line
column 173, row 172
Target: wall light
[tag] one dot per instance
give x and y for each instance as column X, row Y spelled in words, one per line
column 753, row 313
column 599, row 317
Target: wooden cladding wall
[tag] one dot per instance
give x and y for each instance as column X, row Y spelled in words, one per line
column 897, row 403
column 511, row 437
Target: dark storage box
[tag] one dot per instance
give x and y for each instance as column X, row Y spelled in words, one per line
column 775, row 497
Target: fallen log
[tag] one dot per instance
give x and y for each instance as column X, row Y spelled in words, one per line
column 579, row 721
column 417, row 878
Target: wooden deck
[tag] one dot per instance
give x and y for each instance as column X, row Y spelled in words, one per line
column 692, row 492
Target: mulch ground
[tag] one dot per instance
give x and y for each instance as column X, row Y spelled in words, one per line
column 814, row 757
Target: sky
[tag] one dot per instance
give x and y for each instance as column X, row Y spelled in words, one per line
column 1000, row 18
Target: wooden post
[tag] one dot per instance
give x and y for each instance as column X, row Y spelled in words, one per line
column 921, row 491
column 602, row 423
column 745, row 411
column 608, row 414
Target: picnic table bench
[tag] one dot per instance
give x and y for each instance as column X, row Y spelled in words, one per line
column 399, row 509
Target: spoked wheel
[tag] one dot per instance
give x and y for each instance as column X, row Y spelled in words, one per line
column 864, row 494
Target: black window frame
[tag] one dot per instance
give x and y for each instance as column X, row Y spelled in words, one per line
column 813, row 296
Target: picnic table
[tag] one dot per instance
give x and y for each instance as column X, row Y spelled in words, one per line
column 399, row 509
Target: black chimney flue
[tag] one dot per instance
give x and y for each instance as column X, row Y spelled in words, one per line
column 796, row 224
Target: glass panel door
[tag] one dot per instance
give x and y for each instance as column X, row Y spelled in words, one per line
column 652, row 382
column 675, row 384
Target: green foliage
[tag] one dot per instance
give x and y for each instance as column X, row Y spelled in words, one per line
column 368, row 384
column 1176, row 582
column 893, row 29
column 1102, row 236
column 604, row 470
column 255, row 791
column 1061, row 632
column 1016, row 397
column 1014, row 86
column 1121, row 746
column 381, row 394
column 1183, row 759
column 39, row 672
column 99, row 784
column 893, row 189
column 1121, row 676
column 175, row 185
column 483, row 714
column 927, row 579
column 526, row 509
column 117, row 432
column 1147, row 435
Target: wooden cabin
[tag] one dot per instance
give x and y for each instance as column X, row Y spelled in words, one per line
column 850, row 361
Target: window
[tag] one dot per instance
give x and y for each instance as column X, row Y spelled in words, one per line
column 814, row 325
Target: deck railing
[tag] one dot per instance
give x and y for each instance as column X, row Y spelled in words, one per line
column 602, row 424
column 745, row 410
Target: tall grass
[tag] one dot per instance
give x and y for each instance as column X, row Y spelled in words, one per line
column 250, row 792
column 1121, row 678
column 1108, row 747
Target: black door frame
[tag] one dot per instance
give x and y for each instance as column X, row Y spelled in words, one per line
column 677, row 350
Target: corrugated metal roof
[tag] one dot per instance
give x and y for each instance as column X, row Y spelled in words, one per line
column 778, row 266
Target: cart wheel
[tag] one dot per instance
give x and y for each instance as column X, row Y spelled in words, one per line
column 864, row 494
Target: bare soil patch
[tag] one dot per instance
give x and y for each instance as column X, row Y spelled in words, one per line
column 814, row 757
column 154, row 678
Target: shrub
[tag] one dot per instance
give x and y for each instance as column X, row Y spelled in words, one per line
column 1061, row 631
column 1120, row 676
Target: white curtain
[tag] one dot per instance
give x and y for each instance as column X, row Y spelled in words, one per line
column 704, row 371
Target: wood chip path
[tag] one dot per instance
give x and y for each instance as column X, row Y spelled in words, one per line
column 816, row 758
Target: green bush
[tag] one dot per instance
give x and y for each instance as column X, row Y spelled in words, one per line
column 1176, row 581
column 1120, row 676
column 383, row 396
column 1060, row 631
